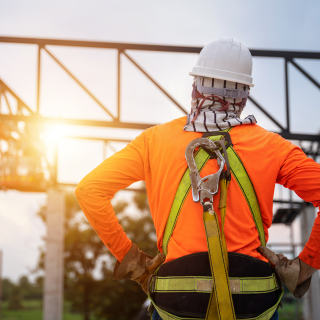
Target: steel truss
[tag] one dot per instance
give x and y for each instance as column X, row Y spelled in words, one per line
column 26, row 114
column 288, row 57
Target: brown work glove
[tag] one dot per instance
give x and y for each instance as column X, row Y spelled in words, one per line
column 295, row 274
column 138, row 266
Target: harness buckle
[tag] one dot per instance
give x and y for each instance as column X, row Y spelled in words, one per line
column 152, row 283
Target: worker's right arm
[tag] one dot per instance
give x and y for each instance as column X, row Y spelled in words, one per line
column 302, row 175
column 96, row 190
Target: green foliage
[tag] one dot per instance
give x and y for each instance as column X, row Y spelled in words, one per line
column 33, row 311
column 102, row 298
column 14, row 293
column 15, row 300
column 30, row 291
column 7, row 289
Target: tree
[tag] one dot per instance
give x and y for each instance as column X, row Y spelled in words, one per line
column 7, row 288
column 15, row 300
column 15, row 293
column 103, row 298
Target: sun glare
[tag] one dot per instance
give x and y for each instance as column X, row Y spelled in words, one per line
column 54, row 134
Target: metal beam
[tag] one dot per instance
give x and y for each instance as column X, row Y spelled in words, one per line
column 125, row 125
column 300, row 203
column 149, row 47
column 285, row 54
column 306, row 74
column 38, row 79
column 5, row 87
column 266, row 113
column 287, row 93
column 79, row 83
column 99, row 44
column 98, row 139
column 155, row 83
column 119, row 85
column 7, row 101
column 80, row 122
column 297, row 136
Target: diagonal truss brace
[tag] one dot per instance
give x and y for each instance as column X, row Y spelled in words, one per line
column 79, row 83
column 21, row 104
column 155, row 83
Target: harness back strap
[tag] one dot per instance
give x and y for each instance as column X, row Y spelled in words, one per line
column 220, row 305
column 241, row 176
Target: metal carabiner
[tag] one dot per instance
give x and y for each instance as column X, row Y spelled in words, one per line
column 203, row 188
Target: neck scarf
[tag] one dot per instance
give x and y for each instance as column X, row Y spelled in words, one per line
column 208, row 115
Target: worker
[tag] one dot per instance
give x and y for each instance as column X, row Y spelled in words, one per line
column 212, row 228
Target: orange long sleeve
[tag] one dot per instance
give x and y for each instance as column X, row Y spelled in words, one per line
column 302, row 174
column 96, row 190
column 157, row 156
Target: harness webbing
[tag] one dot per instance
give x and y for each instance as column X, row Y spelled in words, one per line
column 220, row 286
column 239, row 172
column 264, row 316
column 220, row 305
column 241, row 176
column 204, row 284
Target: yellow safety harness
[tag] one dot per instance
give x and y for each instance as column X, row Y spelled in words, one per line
column 220, row 286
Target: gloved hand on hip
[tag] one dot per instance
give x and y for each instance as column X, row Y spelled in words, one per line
column 138, row 266
column 295, row 274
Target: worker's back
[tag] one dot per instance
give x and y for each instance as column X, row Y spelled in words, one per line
column 262, row 153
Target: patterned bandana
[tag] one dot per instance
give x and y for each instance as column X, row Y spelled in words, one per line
column 211, row 115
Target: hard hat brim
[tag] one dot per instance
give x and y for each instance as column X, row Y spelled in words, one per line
column 222, row 75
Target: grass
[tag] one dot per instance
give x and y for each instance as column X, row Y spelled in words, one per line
column 33, row 311
column 289, row 311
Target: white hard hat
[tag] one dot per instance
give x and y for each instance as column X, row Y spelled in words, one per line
column 225, row 59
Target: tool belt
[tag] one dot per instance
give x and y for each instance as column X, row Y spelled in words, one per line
column 182, row 287
column 215, row 285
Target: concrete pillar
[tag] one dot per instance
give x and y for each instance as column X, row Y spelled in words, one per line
column 0, row 284
column 54, row 264
column 311, row 300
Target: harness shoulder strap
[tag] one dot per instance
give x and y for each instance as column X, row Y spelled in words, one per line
column 240, row 174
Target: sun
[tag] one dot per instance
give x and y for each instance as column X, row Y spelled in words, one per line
column 54, row 134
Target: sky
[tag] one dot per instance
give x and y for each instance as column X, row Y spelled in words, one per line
column 278, row 25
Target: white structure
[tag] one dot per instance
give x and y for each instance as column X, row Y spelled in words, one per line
column 53, row 282
column 311, row 300
column 0, row 283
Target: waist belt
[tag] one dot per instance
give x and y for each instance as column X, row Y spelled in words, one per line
column 205, row 284
column 221, row 285
column 182, row 287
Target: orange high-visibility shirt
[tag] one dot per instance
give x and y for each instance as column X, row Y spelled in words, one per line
column 157, row 156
